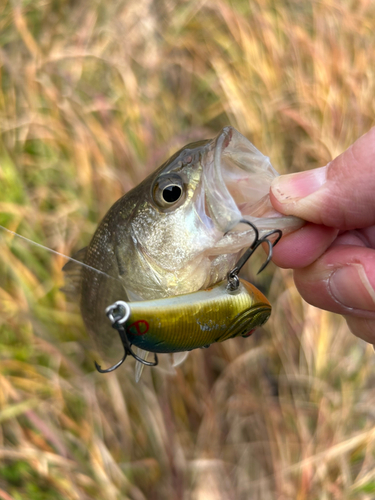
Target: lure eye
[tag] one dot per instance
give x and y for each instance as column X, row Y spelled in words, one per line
column 168, row 190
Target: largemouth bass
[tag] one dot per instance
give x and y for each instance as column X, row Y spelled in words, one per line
column 174, row 233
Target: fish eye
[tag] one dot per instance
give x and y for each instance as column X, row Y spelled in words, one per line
column 172, row 193
column 168, row 190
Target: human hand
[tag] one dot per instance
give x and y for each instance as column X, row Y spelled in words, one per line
column 333, row 256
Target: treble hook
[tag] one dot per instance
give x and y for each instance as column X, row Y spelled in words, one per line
column 118, row 319
column 233, row 281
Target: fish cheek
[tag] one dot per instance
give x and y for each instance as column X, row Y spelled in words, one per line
column 150, row 281
column 164, row 254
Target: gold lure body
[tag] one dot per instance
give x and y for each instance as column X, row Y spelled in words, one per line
column 198, row 319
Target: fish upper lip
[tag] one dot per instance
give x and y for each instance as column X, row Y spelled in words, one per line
column 236, row 178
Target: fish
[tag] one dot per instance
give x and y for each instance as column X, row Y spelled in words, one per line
column 177, row 232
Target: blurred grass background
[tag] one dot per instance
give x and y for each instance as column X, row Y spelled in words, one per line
column 94, row 95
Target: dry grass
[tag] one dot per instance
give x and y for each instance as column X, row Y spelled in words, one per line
column 93, row 96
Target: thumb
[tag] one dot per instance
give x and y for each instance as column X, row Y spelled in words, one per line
column 340, row 195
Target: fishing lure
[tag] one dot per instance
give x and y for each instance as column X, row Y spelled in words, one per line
column 229, row 309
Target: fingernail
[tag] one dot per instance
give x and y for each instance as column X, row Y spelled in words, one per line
column 287, row 188
column 350, row 286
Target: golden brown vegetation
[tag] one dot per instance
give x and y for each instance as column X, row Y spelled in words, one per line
column 93, row 96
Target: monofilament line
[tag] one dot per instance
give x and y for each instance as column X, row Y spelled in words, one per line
column 55, row 252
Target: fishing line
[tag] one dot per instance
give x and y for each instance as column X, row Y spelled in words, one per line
column 55, row 252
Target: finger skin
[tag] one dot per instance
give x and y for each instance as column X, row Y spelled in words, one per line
column 362, row 327
column 314, row 282
column 340, row 195
column 303, row 247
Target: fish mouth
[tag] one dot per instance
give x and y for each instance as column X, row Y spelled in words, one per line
column 237, row 179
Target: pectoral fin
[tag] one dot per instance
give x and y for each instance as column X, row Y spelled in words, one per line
column 73, row 274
